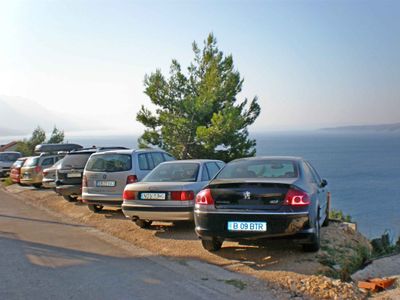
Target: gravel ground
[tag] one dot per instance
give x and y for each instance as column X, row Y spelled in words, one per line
column 289, row 272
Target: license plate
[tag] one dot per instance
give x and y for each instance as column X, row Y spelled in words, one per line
column 152, row 196
column 26, row 176
column 74, row 175
column 247, row 226
column 102, row 183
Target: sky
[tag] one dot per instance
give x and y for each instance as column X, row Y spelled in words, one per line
column 312, row 64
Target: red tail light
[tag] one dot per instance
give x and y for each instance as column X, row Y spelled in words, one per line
column 38, row 169
column 204, row 197
column 182, row 195
column 84, row 181
column 129, row 195
column 295, row 197
column 45, row 173
column 131, row 179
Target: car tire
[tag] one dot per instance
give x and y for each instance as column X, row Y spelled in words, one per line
column 37, row 185
column 143, row 223
column 95, row 208
column 70, row 198
column 315, row 240
column 212, row 245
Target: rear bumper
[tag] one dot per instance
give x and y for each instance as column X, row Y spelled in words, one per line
column 214, row 224
column 158, row 213
column 68, row 190
column 48, row 183
column 102, row 199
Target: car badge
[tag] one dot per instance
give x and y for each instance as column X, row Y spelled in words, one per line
column 104, row 176
column 247, row 195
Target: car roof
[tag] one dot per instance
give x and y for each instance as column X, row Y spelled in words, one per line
column 191, row 161
column 128, row 151
column 293, row 158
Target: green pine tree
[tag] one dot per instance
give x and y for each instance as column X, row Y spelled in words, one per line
column 198, row 114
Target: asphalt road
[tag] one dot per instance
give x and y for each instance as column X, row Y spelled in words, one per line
column 44, row 257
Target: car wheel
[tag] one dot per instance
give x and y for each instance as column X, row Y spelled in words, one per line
column 211, row 245
column 37, row 185
column 70, row 198
column 315, row 240
column 143, row 223
column 95, row 208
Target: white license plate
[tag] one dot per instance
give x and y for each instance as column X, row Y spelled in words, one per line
column 247, row 226
column 74, row 175
column 26, row 176
column 102, row 183
column 152, row 196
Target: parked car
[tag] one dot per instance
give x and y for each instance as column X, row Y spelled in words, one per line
column 49, row 175
column 7, row 159
column 168, row 192
column 70, row 172
column 32, row 170
column 15, row 172
column 263, row 197
column 107, row 173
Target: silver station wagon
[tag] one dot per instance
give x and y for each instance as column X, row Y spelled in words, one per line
column 168, row 192
column 107, row 173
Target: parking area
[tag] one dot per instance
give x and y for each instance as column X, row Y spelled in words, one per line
column 281, row 262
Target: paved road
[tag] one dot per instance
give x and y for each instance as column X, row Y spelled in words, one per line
column 43, row 257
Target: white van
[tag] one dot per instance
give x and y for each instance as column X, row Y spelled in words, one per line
column 107, row 173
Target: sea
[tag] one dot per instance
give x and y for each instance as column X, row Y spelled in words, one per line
column 362, row 169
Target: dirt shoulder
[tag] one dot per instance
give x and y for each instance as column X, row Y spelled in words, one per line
column 281, row 263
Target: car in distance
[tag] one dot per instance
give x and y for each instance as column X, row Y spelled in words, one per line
column 263, row 197
column 32, row 170
column 69, row 173
column 49, row 175
column 107, row 173
column 168, row 192
column 15, row 172
column 7, row 159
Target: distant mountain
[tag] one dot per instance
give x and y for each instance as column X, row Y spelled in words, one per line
column 20, row 116
column 380, row 127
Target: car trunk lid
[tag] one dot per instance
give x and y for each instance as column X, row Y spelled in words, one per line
column 250, row 195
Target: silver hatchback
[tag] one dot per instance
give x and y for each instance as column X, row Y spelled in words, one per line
column 168, row 192
column 107, row 173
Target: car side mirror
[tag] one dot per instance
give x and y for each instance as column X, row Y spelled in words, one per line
column 324, row 183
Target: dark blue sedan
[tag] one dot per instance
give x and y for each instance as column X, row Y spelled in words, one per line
column 263, row 197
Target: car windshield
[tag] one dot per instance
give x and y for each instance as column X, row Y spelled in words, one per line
column 9, row 157
column 18, row 164
column 77, row 160
column 31, row 161
column 259, row 169
column 109, row 162
column 175, row 172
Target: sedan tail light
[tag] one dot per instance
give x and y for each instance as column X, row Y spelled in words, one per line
column 295, row 197
column 182, row 195
column 84, row 181
column 129, row 195
column 204, row 197
column 131, row 179
column 38, row 169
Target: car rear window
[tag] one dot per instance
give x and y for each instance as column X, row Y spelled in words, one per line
column 76, row 160
column 259, row 169
column 109, row 163
column 177, row 172
column 31, row 162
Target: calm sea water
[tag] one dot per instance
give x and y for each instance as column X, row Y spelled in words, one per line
column 362, row 170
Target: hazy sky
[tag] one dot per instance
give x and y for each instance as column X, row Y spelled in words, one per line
column 311, row 63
